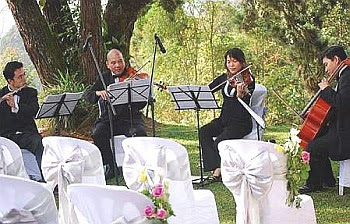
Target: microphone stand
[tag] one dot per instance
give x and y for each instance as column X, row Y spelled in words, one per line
column 110, row 108
column 151, row 100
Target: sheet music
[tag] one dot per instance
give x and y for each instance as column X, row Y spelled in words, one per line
column 183, row 97
column 52, row 102
column 139, row 91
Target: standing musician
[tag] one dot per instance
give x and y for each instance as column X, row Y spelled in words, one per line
column 234, row 121
column 118, row 72
column 333, row 141
column 18, row 107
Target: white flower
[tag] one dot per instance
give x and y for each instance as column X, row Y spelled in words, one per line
column 294, row 132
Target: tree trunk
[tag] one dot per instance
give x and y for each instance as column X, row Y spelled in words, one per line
column 91, row 17
column 42, row 47
column 120, row 17
column 60, row 20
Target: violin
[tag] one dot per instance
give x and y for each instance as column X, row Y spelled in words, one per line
column 133, row 74
column 243, row 76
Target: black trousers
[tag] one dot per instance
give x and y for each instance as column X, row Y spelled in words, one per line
column 320, row 165
column 102, row 135
column 31, row 142
column 222, row 131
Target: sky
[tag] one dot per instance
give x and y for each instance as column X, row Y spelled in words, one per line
column 6, row 19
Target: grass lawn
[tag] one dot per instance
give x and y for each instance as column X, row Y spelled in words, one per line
column 330, row 207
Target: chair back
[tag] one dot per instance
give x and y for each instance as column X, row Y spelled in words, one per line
column 108, row 204
column 23, row 199
column 257, row 104
column 11, row 160
column 68, row 160
column 254, row 171
column 159, row 158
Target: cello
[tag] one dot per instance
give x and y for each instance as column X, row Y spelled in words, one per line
column 316, row 117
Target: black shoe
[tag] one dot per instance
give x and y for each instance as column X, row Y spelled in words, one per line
column 214, row 179
column 309, row 189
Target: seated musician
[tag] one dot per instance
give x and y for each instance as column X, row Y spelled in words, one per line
column 118, row 72
column 19, row 105
column 234, row 121
column 333, row 141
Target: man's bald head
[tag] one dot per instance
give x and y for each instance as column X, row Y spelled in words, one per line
column 115, row 61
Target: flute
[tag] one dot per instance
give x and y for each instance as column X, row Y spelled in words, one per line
column 11, row 93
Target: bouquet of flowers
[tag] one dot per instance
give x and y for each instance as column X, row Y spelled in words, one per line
column 161, row 211
column 297, row 166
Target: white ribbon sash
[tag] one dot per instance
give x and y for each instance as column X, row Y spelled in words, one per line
column 249, row 181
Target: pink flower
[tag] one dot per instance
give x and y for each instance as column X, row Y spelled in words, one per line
column 149, row 211
column 305, row 156
column 161, row 213
column 158, row 191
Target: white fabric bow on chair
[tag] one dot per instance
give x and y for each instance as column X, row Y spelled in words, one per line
column 23, row 199
column 135, row 166
column 63, row 173
column 18, row 216
column 69, row 160
column 250, row 180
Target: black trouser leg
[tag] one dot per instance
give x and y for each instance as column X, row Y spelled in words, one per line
column 320, row 166
column 101, row 137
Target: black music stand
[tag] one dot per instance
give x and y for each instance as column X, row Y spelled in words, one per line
column 56, row 106
column 128, row 92
column 194, row 97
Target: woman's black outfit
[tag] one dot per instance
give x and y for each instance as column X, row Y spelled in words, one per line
column 234, row 122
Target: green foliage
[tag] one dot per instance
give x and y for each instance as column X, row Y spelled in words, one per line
column 196, row 38
column 84, row 113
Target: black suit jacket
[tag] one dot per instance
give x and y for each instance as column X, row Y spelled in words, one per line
column 23, row 120
column 340, row 124
column 122, row 111
column 232, row 111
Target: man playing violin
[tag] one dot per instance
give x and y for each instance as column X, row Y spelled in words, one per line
column 118, row 72
column 234, row 121
column 333, row 141
column 19, row 105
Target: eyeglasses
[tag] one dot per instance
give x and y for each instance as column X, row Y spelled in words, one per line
column 21, row 76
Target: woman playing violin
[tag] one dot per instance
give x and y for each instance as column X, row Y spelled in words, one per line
column 118, row 72
column 333, row 141
column 234, row 121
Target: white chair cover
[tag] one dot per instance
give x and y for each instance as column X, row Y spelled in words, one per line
column 162, row 158
column 11, row 160
column 344, row 175
column 255, row 174
column 257, row 104
column 68, row 160
column 26, row 201
column 108, row 204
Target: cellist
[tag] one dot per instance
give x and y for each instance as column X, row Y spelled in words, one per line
column 333, row 141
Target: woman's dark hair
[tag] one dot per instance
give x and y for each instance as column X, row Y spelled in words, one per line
column 235, row 53
column 333, row 51
column 10, row 68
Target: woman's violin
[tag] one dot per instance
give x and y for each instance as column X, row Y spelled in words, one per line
column 243, row 76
